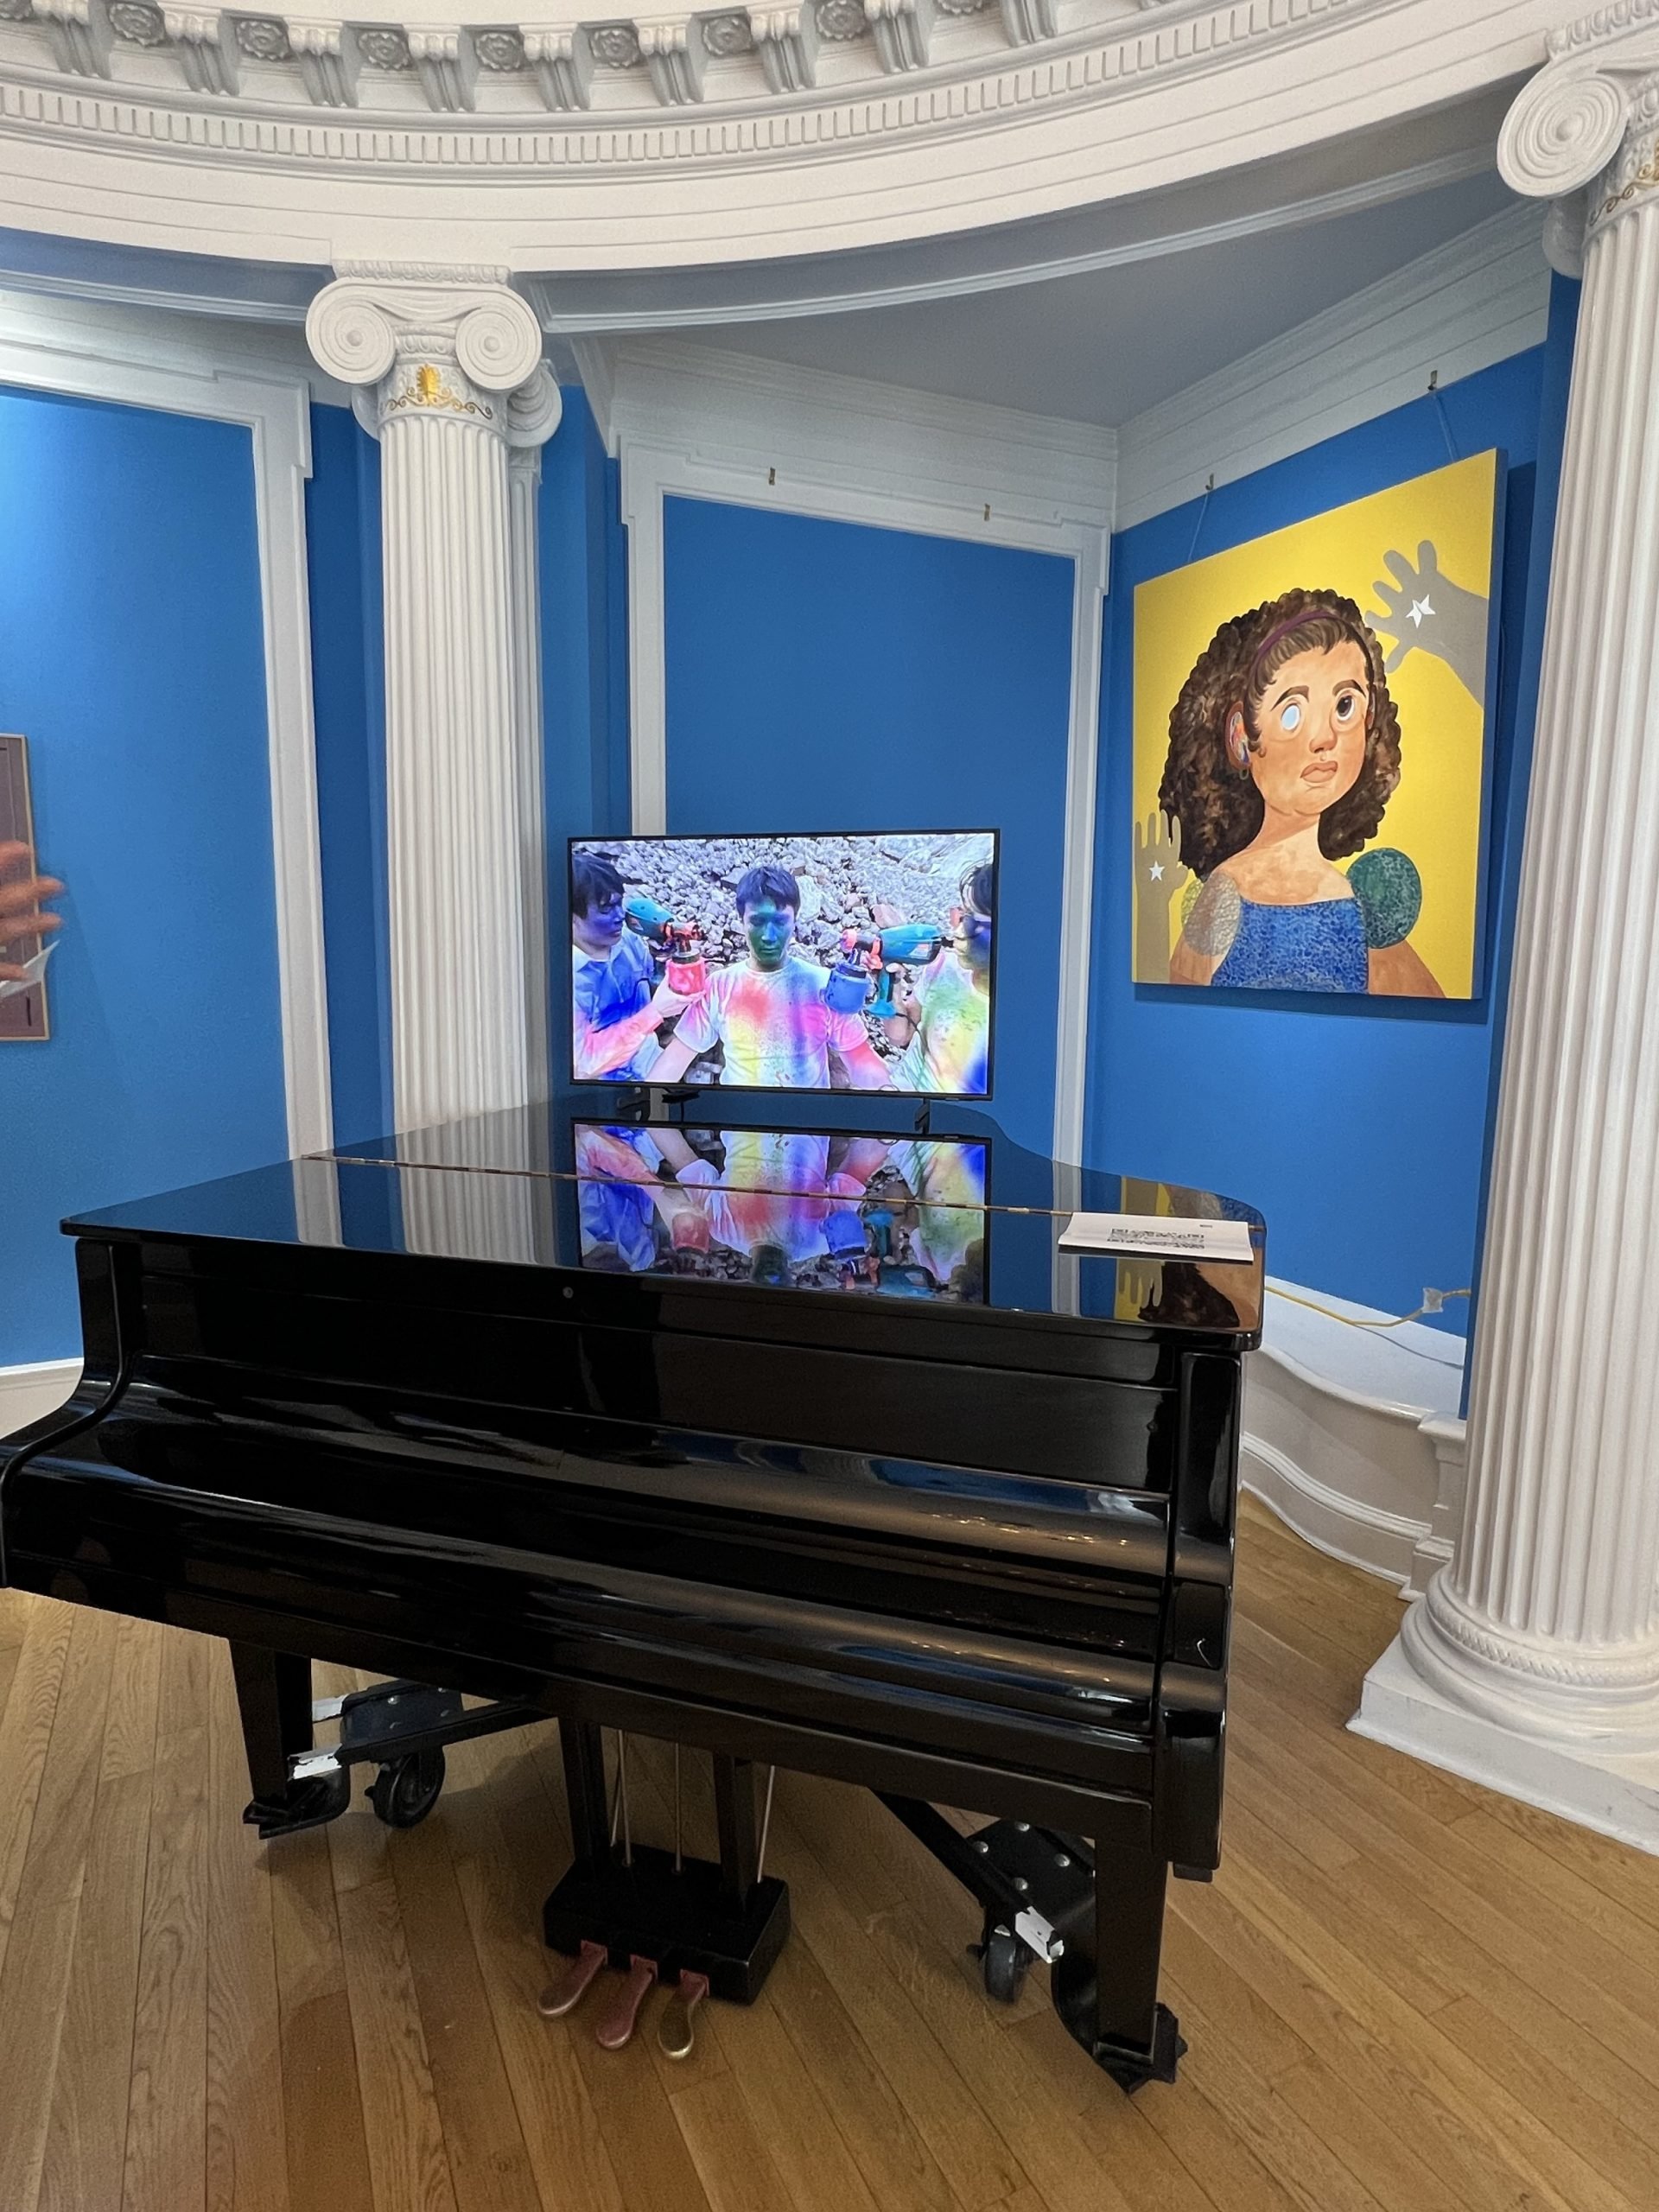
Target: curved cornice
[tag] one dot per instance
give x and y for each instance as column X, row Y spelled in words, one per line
column 153, row 126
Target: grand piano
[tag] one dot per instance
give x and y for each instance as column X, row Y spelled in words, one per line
column 793, row 1449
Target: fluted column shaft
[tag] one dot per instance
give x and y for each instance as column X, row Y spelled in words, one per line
column 448, row 371
column 1545, row 1620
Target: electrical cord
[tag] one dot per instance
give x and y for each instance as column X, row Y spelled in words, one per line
column 1348, row 1320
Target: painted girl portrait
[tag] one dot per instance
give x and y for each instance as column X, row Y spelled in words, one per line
column 1310, row 779
column 1284, row 751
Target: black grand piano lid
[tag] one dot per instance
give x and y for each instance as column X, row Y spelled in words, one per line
column 540, row 1185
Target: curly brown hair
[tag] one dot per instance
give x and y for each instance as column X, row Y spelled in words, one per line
column 1219, row 810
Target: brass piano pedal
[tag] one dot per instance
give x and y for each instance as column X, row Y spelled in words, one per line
column 564, row 1995
column 678, row 2031
column 616, row 2026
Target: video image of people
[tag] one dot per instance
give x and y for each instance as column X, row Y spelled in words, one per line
column 789, row 1209
column 785, row 964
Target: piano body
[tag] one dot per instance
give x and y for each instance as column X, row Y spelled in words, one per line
column 485, row 1408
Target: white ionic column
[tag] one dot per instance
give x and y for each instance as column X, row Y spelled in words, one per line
column 1532, row 1662
column 447, row 369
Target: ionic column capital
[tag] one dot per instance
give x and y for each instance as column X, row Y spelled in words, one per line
column 456, row 344
column 1588, row 124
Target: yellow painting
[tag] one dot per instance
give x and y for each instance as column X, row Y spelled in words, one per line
column 1310, row 749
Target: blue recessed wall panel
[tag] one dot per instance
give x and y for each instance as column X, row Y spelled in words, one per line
column 582, row 555
column 342, row 521
column 1359, row 1126
column 132, row 656
column 827, row 676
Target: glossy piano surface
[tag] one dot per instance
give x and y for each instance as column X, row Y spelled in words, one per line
column 806, row 1446
column 959, row 1215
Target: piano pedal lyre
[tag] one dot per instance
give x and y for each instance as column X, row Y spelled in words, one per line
column 564, row 1995
column 614, row 2030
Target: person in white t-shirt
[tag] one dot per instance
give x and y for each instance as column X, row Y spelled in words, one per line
column 766, row 1011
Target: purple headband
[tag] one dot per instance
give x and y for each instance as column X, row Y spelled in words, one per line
column 1283, row 630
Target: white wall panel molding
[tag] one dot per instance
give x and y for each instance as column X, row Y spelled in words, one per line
column 975, row 134
column 1533, row 1659
column 447, row 366
column 56, row 345
column 1352, row 1434
column 698, row 424
column 1475, row 301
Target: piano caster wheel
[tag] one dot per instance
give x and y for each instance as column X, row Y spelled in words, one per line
column 618, row 2022
column 678, row 2029
column 1004, row 1961
column 405, row 1790
column 564, row 1995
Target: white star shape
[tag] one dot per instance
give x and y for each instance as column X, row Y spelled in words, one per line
column 1418, row 608
column 1157, row 871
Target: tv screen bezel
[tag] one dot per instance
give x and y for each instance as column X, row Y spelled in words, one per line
column 724, row 1089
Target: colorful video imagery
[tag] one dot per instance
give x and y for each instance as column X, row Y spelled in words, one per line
column 788, row 1209
column 815, row 963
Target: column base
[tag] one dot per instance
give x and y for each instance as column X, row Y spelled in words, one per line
column 1615, row 1793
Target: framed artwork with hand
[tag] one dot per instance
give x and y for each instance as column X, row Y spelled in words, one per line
column 26, row 926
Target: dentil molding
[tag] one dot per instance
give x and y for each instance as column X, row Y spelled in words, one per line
column 688, row 139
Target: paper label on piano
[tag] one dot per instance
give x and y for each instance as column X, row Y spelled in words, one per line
column 1158, row 1237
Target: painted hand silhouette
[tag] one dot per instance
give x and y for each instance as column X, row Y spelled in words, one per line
column 21, row 913
column 1428, row 613
column 1160, row 875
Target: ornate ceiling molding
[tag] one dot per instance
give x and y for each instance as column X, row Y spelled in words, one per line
column 719, row 135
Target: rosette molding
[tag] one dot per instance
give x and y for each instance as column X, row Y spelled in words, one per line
column 445, row 369
column 1532, row 1662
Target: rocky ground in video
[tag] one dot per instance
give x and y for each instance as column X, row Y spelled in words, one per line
column 841, row 885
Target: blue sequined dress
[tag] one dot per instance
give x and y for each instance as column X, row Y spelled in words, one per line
column 1318, row 947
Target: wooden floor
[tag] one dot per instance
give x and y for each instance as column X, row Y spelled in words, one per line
column 1401, row 1995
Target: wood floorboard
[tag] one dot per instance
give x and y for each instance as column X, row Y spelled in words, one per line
column 1401, row 1993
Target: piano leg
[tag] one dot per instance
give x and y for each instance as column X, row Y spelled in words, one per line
column 1107, row 1992
column 740, row 1842
column 582, row 1744
column 273, row 1694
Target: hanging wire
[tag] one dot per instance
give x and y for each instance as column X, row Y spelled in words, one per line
column 1203, row 509
column 1438, row 398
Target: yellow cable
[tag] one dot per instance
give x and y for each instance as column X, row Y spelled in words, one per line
column 1347, row 1320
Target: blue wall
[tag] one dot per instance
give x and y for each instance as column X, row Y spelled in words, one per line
column 131, row 657
column 583, row 575
column 825, row 676
column 1359, row 1127
column 342, row 523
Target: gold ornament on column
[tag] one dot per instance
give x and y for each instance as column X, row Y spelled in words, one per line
column 430, row 390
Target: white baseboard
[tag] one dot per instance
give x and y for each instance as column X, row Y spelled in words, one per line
column 27, row 1392
column 1350, row 1436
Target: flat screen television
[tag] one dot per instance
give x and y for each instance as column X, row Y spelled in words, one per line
column 812, row 963
column 790, row 1209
